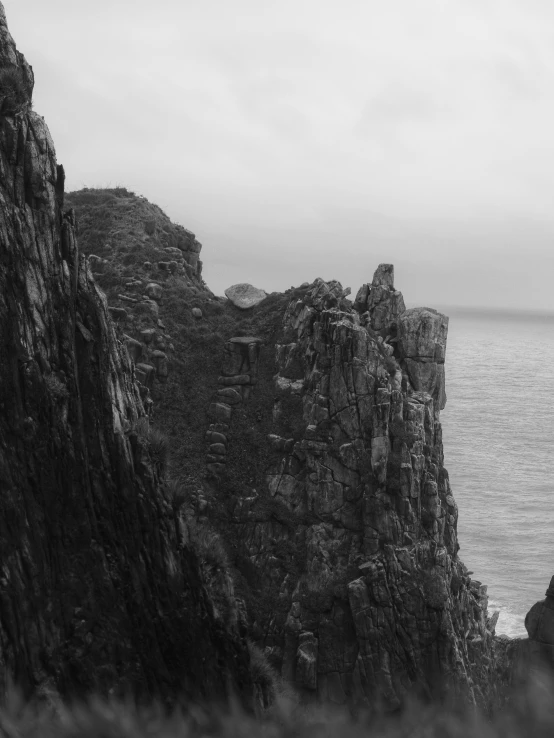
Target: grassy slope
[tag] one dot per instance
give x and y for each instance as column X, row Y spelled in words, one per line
column 113, row 224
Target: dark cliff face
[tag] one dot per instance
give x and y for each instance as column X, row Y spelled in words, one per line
column 309, row 429
column 345, row 523
column 99, row 589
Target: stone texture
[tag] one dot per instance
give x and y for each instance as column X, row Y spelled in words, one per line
column 154, row 291
column 160, row 361
column 422, row 336
column 245, row 295
column 134, row 348
column 99, row 591
column 372, row 574
column 539, row 621
column 145, row 374
column 380, row 302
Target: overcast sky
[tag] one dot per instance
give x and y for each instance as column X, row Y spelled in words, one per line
column 304, row 138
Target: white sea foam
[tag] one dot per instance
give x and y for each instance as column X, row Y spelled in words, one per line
column 509, row 623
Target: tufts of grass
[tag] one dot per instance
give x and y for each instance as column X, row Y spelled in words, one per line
column 216, row 570
column 178, row 494
column 529, row 714
column 15, row 91
column 157, row 443
column 209, row 547
column 272, row 692
column 159, row 447
column 57, row 389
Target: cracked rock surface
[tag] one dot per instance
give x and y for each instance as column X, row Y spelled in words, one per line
column 351, row 529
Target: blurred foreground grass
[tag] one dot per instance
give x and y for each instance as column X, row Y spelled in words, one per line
column 527, row 713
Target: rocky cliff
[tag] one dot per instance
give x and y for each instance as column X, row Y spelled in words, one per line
column 308, row 430
column 99, row 587
column 345, row 520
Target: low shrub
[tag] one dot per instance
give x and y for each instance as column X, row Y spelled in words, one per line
column 157, row 443
column 216, row 570
column 159, row 449
column 57, row 389
column 529, row 714
column 177, row 493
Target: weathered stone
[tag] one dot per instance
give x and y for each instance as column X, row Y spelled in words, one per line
column 230, row 396
column 366, row 462
column 119, row 315
column 218, row 448
column 215, row 437
column 148, row 335
column 133, row 347
column 233, row 363
column 539, row 621
column 428, row 378
column 215, row 468
column 220, row 412
column 245, row 340
column 145, row 373
column 196, row 312
column 154, row 291
column 422, row 334
column 97, row 263
column 245, row 296
column 160, row 361
column 148, row 306
column 306, row 661
column 236, row 379
column 384, row 276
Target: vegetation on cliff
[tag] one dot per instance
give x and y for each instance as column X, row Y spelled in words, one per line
column 530, row 713
column 199, row 500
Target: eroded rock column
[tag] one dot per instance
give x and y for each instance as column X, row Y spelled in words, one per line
column 239, row 374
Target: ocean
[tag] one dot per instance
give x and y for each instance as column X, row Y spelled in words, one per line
column 498, row 433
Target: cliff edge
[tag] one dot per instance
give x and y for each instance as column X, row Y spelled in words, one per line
column 99, row 587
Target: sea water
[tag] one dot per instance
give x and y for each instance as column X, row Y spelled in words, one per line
column 498, row 432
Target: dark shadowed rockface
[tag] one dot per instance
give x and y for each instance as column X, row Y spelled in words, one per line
column 308, row 428
column 99, row 589
column 305, row 428
column 345, row 523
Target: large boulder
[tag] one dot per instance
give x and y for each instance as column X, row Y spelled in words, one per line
column 245, row 295
column 154, row 291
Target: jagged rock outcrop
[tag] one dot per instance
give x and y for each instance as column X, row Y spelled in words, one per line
column 539, row 623
column 239, row 374
column 99, row 589
column 349, row 535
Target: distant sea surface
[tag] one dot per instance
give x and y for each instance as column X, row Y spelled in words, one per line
column 498, row 433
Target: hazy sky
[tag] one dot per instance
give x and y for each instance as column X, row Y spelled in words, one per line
column 304, row 138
